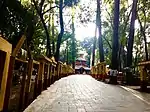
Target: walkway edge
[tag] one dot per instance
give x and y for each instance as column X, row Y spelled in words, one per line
column 136, row 94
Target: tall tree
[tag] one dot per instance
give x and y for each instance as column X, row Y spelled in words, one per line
column 73, row 39
column 94, row 47
column 98, row 22
column 53, row 33
column 60, row 35
column 143, row 15
column 39, row 10
column 131, row 34
column 145, row 40
column 115, row 41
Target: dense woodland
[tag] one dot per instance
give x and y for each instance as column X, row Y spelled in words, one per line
column 49, row 25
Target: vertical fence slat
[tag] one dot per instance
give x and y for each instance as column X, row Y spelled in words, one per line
column 22, row 90
column 40, row 77
column 8, row 84
column 36, row 82
column 28, row 84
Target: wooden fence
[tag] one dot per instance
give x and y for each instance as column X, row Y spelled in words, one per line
column 99, row 71
column 36, row 76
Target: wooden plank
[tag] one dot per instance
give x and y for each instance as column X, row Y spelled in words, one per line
column 36, row 83
column 50, row 80
column 45, row 77
column 5, row 53
column 22, row 90
column 28, row 84
column 20, row 60
column 40, row 78
column 36, row 62
column 5, row 46
column 2, row 64
column 8, row 85
column 19, row 45
column 144, row 63
column 48, row 76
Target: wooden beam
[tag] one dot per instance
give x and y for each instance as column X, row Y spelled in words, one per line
column 19, row 45
column 28, row 84
column 5, row 48
column 22, row 90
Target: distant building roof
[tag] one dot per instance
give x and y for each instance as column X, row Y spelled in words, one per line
column 81, row 59
column 80, row 66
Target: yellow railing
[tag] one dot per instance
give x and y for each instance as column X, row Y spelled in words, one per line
column 45, row 70
column 99, row 71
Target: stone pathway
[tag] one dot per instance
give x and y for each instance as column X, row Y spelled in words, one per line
column 82, row 93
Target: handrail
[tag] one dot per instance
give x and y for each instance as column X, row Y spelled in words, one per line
column 99, row 71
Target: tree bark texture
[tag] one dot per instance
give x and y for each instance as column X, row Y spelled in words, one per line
column 60, row 35
column 100, row 42
column 39, row 11
column 115, row 42
column 145, row 40
column 94, row 47
column 131, row 34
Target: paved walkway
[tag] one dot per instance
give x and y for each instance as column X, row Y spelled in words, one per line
column 82, row 93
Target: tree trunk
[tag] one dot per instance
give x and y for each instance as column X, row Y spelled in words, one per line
column 73, row 39
column 39, row 11
column 30, row 32
column 60, row 35
column 135, row 61
column 47, row 36
column 131, row 34
column 115, row 42
column 100, row 42
column 53, row 33
column 119, row 57
column 94, row 47
column 145, row 40
column 67, row 52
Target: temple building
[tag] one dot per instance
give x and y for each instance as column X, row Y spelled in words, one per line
column 81, row 66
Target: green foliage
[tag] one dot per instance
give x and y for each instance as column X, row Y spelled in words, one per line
column 70, row 3
column 66, row 52
column 66, row 36
column 87, row 12
column 13, row 19
column 87, row 45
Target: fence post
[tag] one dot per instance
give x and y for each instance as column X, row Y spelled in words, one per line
column 11, row 67
column 22, row 90
column 36, row 82
column 45, row 77
column 9, row 82
column 40, row 78
column 28, row 84
column 48, row 74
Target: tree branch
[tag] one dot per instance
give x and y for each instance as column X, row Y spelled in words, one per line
column 45, row 28
column 41, row 5
column 68, row 22
column 50, row 9
column 107, row 42
column 109, row 17
column 36, row 7
column 145, row 40
column 54, row 7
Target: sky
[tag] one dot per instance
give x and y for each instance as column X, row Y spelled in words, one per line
column 83, row 32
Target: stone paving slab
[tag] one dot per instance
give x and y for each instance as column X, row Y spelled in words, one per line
column 82, row 93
